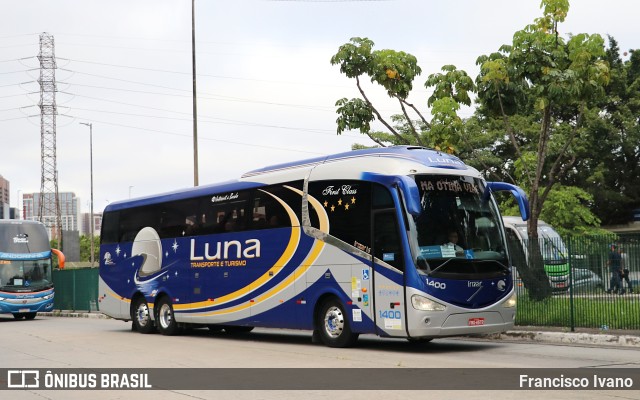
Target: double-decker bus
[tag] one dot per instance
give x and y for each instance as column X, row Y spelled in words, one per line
column 26, row 286
column 348, row 244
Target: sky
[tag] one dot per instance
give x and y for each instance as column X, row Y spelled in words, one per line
column 266, row 87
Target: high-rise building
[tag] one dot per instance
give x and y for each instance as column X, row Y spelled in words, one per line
column 5, row 198
column 69, row 209
column 86, row 224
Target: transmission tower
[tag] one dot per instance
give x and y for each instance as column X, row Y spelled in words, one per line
column 49, row 210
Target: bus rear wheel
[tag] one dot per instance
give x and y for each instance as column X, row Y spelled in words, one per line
column 141, row 316
column 333, row 325
column 165, row 318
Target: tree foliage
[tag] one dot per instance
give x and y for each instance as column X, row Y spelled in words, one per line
column 556, row 114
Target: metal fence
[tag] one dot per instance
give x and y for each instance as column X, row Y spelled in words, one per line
column 589, row 295
column 583, row 299
column 76, row 289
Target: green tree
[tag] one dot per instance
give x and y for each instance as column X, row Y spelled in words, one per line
column 609, row 168
column 85, row 249
column 552, row 83
column 395, row 72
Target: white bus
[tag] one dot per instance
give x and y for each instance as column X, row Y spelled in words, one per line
column 349, row 244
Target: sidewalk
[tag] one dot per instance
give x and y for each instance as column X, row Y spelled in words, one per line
column 555, row 335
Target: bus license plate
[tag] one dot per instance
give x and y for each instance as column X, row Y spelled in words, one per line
column 476, row 321
column 24, row 310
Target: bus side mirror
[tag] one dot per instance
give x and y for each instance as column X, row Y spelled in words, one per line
column 408, row 187
column 410, row 193
column 520, row 196
column 60, row 257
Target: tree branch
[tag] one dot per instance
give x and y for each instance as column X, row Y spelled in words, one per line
column 414, row 108
column 389, row 127
column 413, row 129
column 512, row 136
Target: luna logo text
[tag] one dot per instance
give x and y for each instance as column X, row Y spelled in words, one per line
column 225, row 250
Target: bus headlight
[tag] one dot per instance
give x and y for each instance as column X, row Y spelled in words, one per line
column 423, row 304
column 511, row 302
column 47, row 297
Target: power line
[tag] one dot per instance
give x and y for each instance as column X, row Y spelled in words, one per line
column 19, row 72
column 204, row 96
column 203, row 138
column 222, row 121
column 188, row 73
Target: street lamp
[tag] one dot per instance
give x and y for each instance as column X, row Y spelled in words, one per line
column 91, row 171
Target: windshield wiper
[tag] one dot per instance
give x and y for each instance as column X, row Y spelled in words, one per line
column 440, row 266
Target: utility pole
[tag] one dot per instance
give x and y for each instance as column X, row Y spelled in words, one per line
column 91, row 224
column 195, row 107
column 49, row 204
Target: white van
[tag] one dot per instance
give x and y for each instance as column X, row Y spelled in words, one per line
column 552, row 247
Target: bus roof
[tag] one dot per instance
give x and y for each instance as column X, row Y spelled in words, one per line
column 517, row 221
column 181, row 194
column 421, row 155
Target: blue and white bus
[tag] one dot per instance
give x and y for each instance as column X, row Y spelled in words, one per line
column 26, row 286
column 348, row 244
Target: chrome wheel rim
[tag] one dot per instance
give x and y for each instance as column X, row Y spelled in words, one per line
column 165, row 316
column 142, row 314
column 334, row 322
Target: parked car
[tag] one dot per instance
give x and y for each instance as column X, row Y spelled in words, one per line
column 586, row 281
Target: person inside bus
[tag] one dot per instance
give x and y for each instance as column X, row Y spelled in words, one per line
column 453, row 242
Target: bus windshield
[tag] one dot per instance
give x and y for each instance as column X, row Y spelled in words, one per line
column 18, row 275
column 25, row 257
column 458, row 231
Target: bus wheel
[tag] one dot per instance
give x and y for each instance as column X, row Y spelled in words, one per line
column 165, row 318
column 333, row 325
column 140, row 316
column 18, row 316
column 29, row 316
column 237, row 330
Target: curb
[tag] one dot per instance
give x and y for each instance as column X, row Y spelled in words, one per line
column 74, row 314
column 570, row 338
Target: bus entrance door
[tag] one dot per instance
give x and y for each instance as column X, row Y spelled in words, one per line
column 388, row 279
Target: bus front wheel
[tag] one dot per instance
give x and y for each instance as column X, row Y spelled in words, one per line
column 165, row 318
column 141, row 316
column 333, row 325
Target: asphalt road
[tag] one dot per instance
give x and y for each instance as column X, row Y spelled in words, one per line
column 50, row 342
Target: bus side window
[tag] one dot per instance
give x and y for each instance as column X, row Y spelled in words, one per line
column 267, row 211
column 387, row 244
